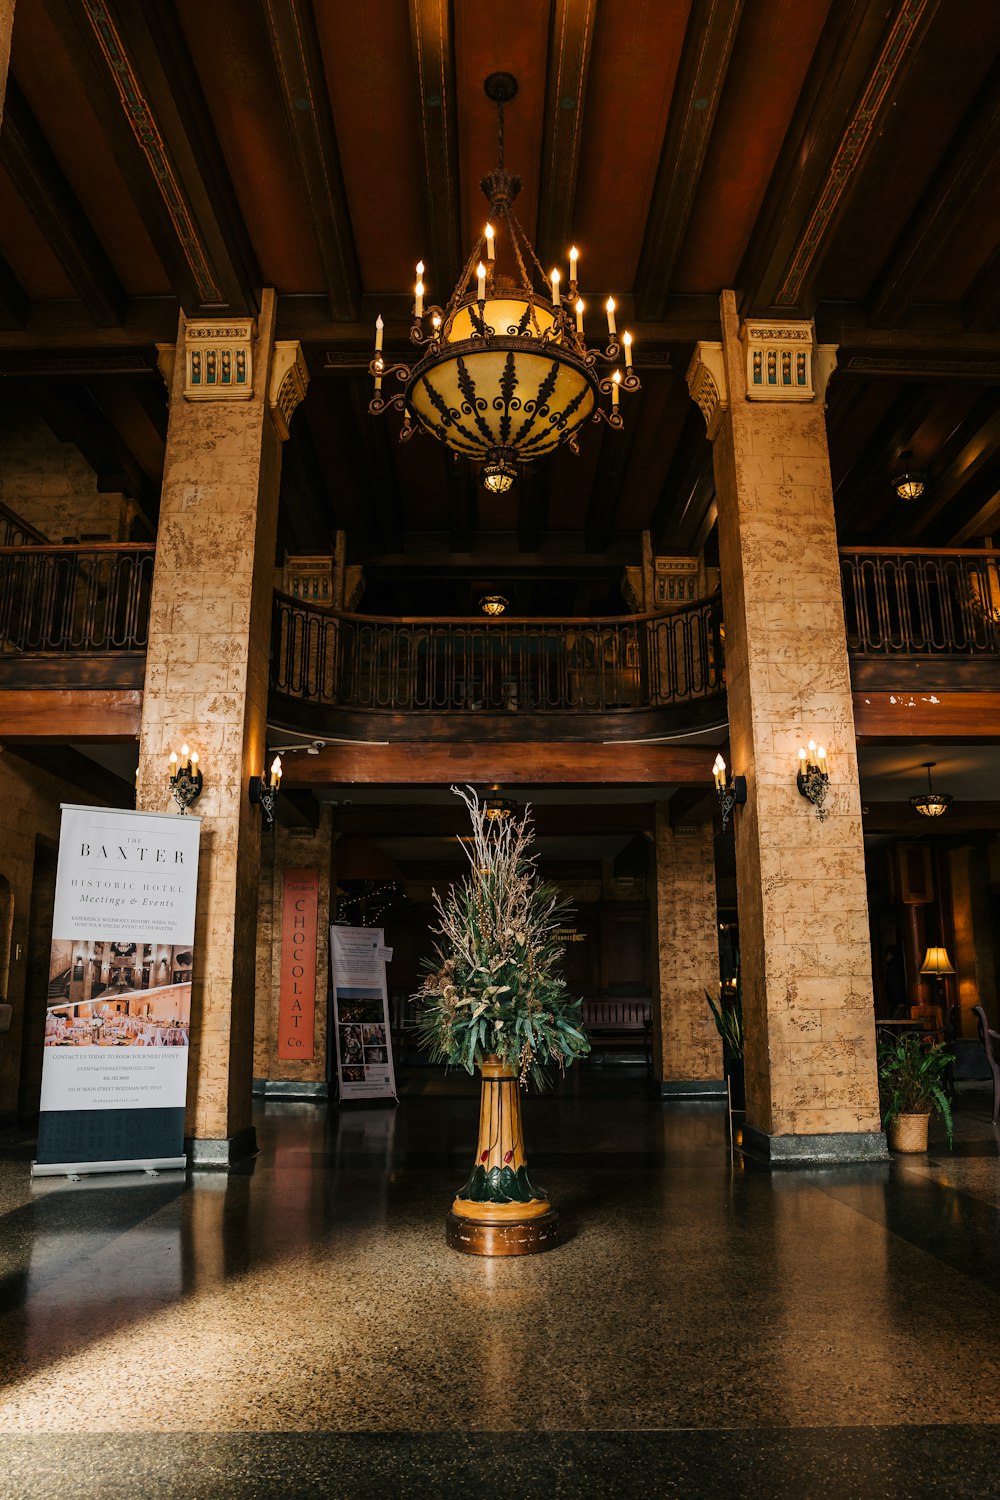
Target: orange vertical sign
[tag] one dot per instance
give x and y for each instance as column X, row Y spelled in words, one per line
column 297, row 995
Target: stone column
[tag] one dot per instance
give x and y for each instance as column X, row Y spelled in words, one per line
column 232, row 391
column 687, row 1050
column 804, row 941
column 6, row 27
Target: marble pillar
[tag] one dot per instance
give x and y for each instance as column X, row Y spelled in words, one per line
column 687, row 1050
column 232, row 391
column 804, row 941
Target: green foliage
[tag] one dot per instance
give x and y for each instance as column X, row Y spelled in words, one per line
column 493, row 988
column 910, row 1077
column 728, row 1015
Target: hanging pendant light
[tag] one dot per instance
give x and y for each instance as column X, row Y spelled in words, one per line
column 931, row 803
column 496, row 808
column 505, row 375
column 909, row 484
column 493, row 604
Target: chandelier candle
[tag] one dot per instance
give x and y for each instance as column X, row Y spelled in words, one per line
column 556, row 299
column 579, row 314
column 609, row 308
column 418, row 306
column 491, row 249
column 574, row 256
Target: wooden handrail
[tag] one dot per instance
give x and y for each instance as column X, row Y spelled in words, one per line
column 979, row 552
column 577, row 622
column 49, row 549
column 18, row 523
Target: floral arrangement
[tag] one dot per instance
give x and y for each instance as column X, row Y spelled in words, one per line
column 493, row 988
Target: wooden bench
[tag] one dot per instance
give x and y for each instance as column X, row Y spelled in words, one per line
column 619, row 1023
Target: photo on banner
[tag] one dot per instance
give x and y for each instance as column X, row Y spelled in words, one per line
column 362, row 1037
column 118, row 1016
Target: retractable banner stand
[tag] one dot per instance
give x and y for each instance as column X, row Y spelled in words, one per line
column 358, row 957
column 115, row 1061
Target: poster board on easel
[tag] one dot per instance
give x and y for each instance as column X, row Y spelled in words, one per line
column 362, row 1038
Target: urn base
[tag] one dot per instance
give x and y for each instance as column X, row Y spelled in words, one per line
column 504, row 1236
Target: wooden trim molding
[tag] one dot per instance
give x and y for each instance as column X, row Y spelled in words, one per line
column 70, row 714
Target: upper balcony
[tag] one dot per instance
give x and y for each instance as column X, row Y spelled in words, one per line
column 75, row 618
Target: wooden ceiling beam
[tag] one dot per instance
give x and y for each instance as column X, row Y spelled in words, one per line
column 570, row 42
column 981, row 307
column 964, row 170
column 862, row 59
column 979, row 439
column 463, row 501
column 28, row 159
column 551, row 819
column 378, row 470
column 298, row 66
column 144, row 88
column 74, row 416
column 688, row 489
column 433, row 50
column 79, row 771
column 869, row 470
column 609, row 478
column 708, row 48
column 13, row 299
column 534, row 503
column 515, row 764
column 307, row 512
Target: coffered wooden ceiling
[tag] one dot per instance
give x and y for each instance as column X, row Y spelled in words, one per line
column 828, row 158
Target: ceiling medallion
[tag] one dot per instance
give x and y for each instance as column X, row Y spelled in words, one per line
column 493, row 604
column 505, row 374
column 931, row 803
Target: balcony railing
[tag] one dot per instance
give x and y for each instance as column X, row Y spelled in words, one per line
column 16, row 532
column 505, row 666
column 83, row 599
column 904, row 602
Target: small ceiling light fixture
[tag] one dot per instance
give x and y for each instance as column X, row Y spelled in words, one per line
column 185, row 777
column 496, row 808
column 909, row 484
column 931, row 803
column 499, row 470
column 493, row 604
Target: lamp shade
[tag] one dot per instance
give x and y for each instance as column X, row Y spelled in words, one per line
column 936, row 962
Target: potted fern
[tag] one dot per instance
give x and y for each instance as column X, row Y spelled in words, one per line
column 493, row 998
column 911, row 1076
column 728, row 1017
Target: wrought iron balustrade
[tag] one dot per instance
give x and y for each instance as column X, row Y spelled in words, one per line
column 907, row 602
column 87, row 599
column 506, row 666
column 16, row 532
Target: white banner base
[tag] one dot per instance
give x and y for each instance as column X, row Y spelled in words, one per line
column 86, row 1168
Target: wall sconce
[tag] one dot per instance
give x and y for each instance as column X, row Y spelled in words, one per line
column 813, row 778
column 264, row 791
column 732, row 791
column 185, row 777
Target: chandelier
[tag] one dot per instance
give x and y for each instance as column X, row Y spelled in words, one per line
column 493, row 604
column 931, row 803
column 909, row 484
column 497, row 809
column 505, row 374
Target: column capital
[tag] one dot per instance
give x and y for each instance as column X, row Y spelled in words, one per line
column 287, row 385
column 784, row 361
column 706, row 380
column 218, row 359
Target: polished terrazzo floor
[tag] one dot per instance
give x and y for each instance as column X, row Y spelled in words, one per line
column 300, row 1328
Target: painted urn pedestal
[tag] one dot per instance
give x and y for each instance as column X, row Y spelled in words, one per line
column 498, row 1211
